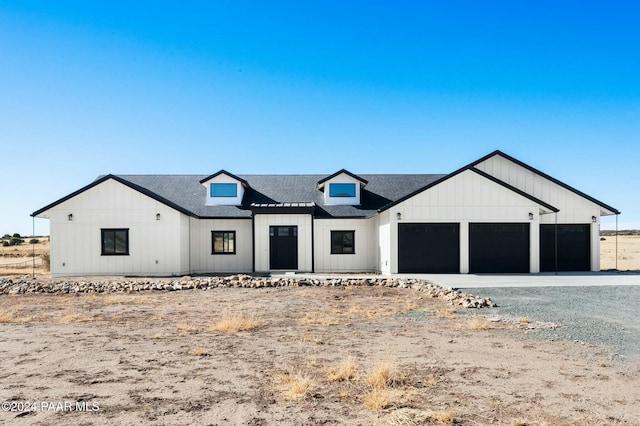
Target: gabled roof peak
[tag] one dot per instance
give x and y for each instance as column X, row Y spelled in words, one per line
column 224, row 172
column 544, row 175
column 362, row 181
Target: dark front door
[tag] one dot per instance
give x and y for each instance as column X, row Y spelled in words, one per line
column 498, row 247
column 283, row 247
column 574, row 247
column 429, row 248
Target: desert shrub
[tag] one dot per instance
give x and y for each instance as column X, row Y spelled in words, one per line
column 15, row 241
column 34, row 241
column 16, row 235
column 5, row 244
column 5, row 236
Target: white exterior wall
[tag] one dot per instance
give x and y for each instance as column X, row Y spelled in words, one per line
column 573, row 208
column 156, row 247
column 202, row 259
column 302, row 221
column 466, row 198
column 365, row 236
column 384, row 242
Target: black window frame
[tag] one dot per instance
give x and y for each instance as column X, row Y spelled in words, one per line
column 341, row 242
column 103, row 246
column 213, row 242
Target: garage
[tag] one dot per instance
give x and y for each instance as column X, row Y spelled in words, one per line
column 498, row 247
column 429, row 248
column 574, row 247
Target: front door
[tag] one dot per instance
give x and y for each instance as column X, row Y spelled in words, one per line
column 283, row 247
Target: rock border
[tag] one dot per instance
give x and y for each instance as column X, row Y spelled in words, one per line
column 27, row 285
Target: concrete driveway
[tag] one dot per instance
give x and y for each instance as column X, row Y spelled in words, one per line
column 563, row 279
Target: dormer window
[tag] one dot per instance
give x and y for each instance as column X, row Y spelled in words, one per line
column 224, row 190
column 342, row 190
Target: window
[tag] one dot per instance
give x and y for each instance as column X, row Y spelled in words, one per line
column 343, row 242
column 115, row 242
column 223, row 242
column 224, row 190
column 342, row 190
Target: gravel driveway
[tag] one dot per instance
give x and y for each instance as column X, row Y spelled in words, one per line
column 608, row 315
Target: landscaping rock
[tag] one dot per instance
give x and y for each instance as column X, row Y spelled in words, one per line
column 26, row 284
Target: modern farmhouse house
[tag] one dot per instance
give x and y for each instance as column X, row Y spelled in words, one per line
column 494, row 215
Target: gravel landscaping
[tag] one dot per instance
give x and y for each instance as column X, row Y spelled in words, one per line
column 607, row 315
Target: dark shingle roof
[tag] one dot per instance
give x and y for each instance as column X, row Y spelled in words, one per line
column 187, row 192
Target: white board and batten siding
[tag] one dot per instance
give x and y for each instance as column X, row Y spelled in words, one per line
column 156, row 247
column 262, row 222
column 363, row 259
column 465, row 198
column 202, row 259
column 574, row 209
column 384, row 242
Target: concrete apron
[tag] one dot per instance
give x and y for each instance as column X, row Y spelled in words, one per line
column 562, row 279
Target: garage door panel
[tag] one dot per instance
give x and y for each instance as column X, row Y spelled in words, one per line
column 429, row 247
column 574, row 247
column 498, row 247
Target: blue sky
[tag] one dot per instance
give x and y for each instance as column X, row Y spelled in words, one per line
column 89, row 88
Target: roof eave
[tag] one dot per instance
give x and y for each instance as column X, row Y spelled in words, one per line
column 125, row 182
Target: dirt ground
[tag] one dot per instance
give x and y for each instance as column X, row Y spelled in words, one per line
column 18, row 259
column 308, row 356
column 628, row 253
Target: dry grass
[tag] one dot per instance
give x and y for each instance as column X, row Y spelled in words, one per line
column 319, row 318
column 478, row 324
column 198, row 351
column 187, row 327
column 294, row 386
column 413, row 417
column 117, row 299
column 449, row 313
column 384, row 374
column 234, row 323
column 311, row 338
column 346, row 370
column 380, row 399
column 523, row 320
column 359, row 311
column 74, row 317
column 13, row 317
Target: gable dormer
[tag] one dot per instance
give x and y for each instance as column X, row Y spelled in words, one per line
column 342, row 188
column 224, row 189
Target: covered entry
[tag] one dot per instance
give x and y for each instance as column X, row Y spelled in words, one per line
column 498, row 247
column 283, row 247
column 429, row 248
column 574, row 247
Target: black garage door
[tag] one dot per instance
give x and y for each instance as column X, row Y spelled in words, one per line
column 574, row 247
column 429, row 248
column 498, row 247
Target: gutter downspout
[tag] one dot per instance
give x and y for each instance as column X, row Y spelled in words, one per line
column 556, row 242
column 313, row 246
column 253, row 243
column 617, row 241
column 33, row 246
